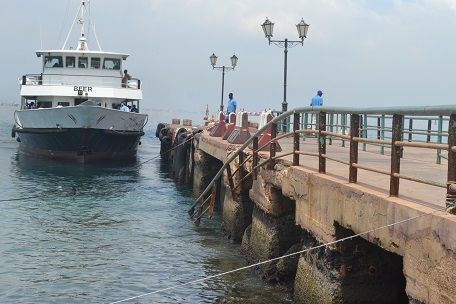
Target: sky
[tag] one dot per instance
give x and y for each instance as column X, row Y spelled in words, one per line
column 369, row 53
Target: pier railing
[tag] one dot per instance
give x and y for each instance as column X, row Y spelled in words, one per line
column 389, row 130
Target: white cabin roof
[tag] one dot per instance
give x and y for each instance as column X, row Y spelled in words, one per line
column 76, row 52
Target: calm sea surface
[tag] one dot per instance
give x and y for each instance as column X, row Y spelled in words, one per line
column 74, row 233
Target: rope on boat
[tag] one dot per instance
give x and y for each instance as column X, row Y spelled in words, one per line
column 278, row 258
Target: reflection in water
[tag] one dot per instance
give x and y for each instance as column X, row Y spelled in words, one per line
column 97, row 233
column 49, row 177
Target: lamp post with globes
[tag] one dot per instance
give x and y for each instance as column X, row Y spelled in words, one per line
column 234, row 60
column 302, row 28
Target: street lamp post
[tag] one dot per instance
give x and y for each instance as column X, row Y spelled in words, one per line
column 302, row 28
column 234, row 60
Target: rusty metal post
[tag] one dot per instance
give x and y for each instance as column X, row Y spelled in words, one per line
column 331, row 127
column 255, row 158
column 451, row 183
column 361, row 125
column 354, row 132
column 429, row 128
column 241, row 173
column 296, row 127
column 396, row 153
column 321, row 142
column 410, row 135
column 212, row 202
column 272, row 151
column 451, row 154
column 378, row 127
column 230, row 181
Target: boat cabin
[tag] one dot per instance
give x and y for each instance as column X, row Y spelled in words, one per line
column 70, row 77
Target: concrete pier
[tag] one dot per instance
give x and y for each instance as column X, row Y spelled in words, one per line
column 405, row 250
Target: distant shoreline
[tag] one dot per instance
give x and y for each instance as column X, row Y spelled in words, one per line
column 9, row 104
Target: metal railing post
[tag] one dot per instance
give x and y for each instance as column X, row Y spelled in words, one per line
column 382, row 133
column 296, row 117
column 343, row 121
column 241, row 173
column 439, row 139
column 231, row 182
column 429, row 128
column 451, row 144
column 305, row 125
column 331, row 127
column 272, row 151
column 410, row 128
column 255, row 157
column 321, row 142
column 396, row 152
column 354, row 127
column 378, row 127
column 364, row 131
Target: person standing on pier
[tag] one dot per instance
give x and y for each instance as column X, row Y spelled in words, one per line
column 232, row 104
column 317, row 100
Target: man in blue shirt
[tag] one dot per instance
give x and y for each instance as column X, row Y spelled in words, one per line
column 232, row 104
column 317, row 100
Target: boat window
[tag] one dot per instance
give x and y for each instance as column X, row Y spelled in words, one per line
column 63, row 103
column 70, row 62
column 95, row 62
column 111, row 64
column 53, row 62
column 83, row 62
column 44, row 104
column 78, row 101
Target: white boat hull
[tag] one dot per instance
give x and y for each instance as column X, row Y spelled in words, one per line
column 84, row 133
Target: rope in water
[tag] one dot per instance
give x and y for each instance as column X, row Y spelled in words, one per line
column 278, row 258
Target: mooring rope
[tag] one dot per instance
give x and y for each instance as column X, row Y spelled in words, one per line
column 278, row 258
column 191, row 137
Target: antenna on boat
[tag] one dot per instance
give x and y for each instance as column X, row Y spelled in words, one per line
column 41, row 37
column 82, row 44
column 71, row 29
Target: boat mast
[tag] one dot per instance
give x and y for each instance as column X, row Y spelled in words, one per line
column 82, row 44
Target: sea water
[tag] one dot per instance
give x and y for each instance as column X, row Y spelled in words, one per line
column 102, row 233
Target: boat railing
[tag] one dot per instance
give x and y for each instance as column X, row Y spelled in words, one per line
column 79, row 80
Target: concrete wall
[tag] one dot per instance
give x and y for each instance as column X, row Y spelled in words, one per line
column 289, row 197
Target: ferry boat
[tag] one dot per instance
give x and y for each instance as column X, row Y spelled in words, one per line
column 82, row 107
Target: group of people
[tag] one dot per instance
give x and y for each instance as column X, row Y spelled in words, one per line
column 317, row 100
column 126, row 108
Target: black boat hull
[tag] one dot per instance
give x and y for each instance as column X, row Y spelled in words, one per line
column 80, row 145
